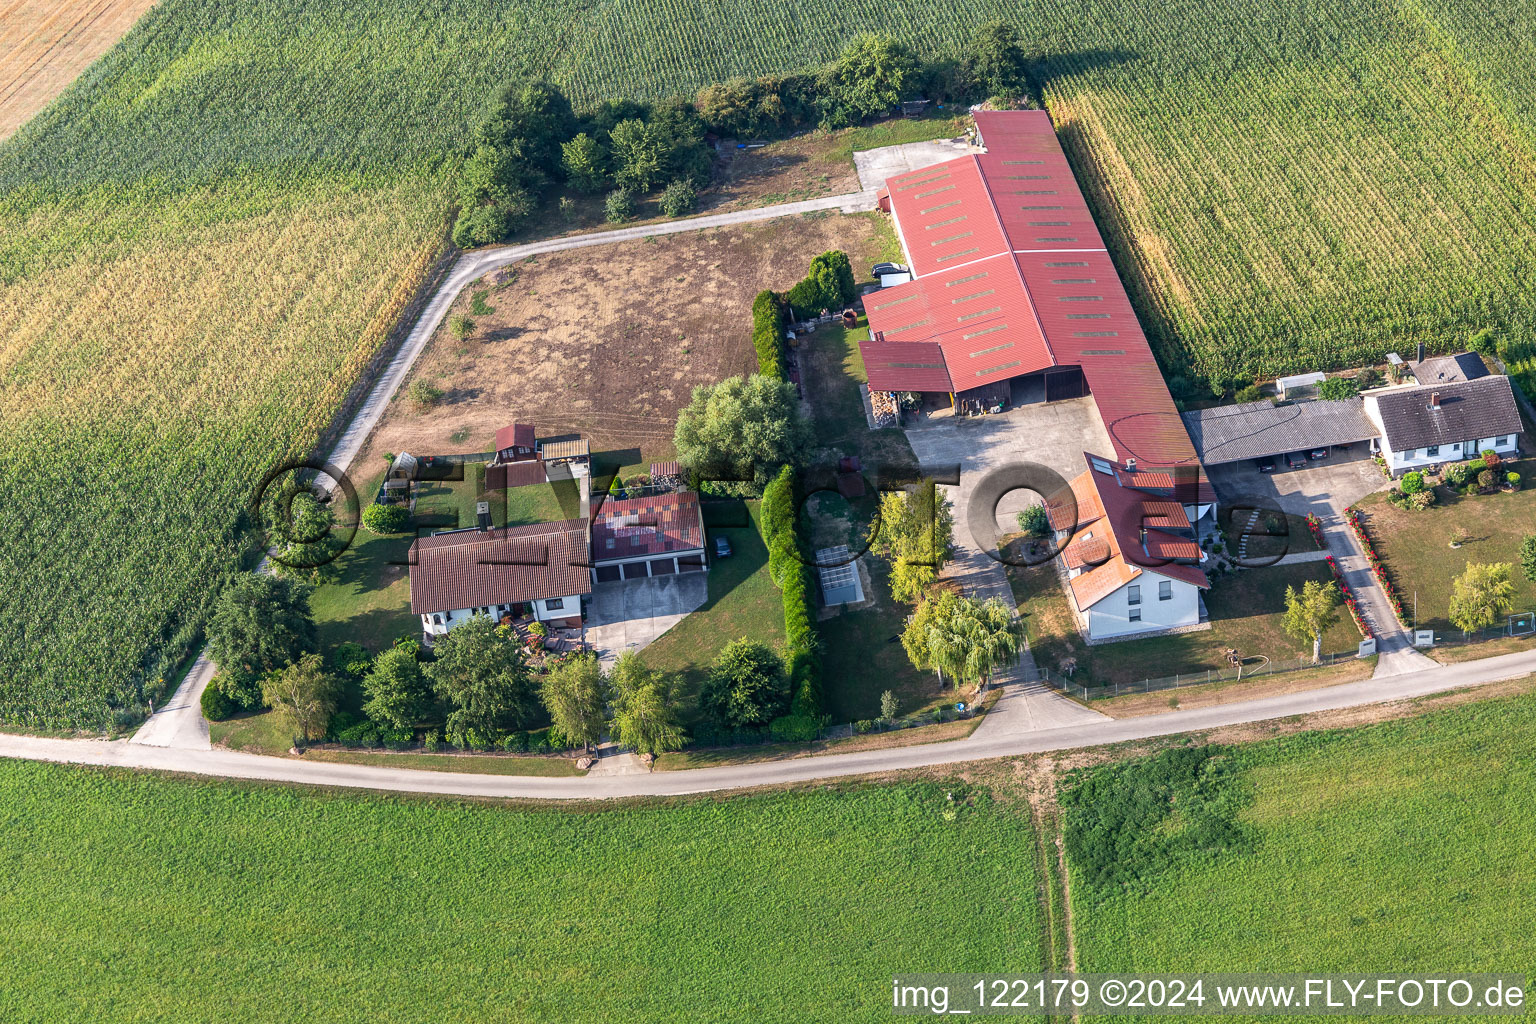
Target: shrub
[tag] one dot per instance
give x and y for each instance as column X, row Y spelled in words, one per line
column 397, row 739
column 619, row 206
column 460, row 326
column 679, row 198
column 424, row 393
column 866, row 725
column 1513, row 479
column 1412, row 483
column 795, row 728
column 1368, row 378
column 1337, row 389
column 1455, row 476
column 217, row 705
column 768, row 334
column 432, row 741
column 385, row 518
column 1475, row 467
column 1422, row 499
column 806, row 297
column 1035, row 520
column 539, row 629
column 1485, row 480
column 1251, row 393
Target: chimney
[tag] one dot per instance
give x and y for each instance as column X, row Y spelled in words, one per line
column 483, row 515
column 1143, row 538
column 1434, row 401
column 1130, row 465
column 1421, row 352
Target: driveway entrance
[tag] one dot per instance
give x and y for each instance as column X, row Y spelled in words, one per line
column 630, row 615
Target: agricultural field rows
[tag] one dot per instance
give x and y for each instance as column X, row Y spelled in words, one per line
column 171, row 899
column 208, row 235
column 1401, row 847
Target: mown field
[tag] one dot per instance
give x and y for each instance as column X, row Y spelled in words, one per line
column 1401, row 847
column 206, row 237
column 134, row 898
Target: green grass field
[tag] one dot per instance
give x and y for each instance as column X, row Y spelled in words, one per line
column 1399, row 847
column 136, row 897
column 208, row 236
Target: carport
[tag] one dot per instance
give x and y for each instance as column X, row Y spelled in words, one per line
column 1254, row 430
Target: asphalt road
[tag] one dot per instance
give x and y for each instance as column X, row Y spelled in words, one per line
column 231, row 764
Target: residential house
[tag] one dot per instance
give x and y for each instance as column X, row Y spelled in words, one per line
column 637, row 538
column 1427, row 424
column 540, row 569
column 1130, row 550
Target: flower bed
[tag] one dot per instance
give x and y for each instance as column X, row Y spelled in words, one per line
column 1349, row 598
column 1352, row 516
column 1315, row 525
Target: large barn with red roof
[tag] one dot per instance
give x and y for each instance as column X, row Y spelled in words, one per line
column 1013, row 289
column 1014, row 299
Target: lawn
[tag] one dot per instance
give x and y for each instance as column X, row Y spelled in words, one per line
column 832, row 370
column 450, row 504
column 1415, row 545
column 1245, row 608
column 131, row 897
column 1401, row 847
column 742, row 602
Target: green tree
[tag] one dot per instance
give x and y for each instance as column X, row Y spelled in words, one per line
column 966, row 639
column 890, row 707
column 747, row 685
column 915, row 532
column 997, row 62
column 619, row 206
column 532, row 120
column 385, row 518
column 870, row 77
column 1337, row 389
column 259, row 624
column 1482, row 595
column 1310, row 612
column 586, row 163
column 637, row 155
column 399, row 693
column 1528, row 557
column 678, row 198
column 575, row 693
column 646, row 708
column 302, row 530
column 732, row 107
column 303, row 695
column 741, row 432
column 480, row 672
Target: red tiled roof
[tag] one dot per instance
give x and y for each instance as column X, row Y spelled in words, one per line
column 893, row 366
column 514, row 474
column 663, row 524
column 473, row 569
column 518, row 435
column 1052, row 296
column 1122, row 531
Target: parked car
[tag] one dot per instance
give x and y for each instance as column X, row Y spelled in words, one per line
column 1295, row 460
column 879, row 270
column 1318, row 453
column 1266, row 464
column 722, row 546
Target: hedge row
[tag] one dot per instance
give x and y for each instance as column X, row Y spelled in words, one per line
column 828, row 284
column 768, row 334
column 792, row 575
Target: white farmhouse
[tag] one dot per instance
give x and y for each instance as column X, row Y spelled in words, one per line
column 1423, row 425
column 1129, row 548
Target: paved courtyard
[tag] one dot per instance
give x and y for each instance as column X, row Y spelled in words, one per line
column 630, row 615
column 876, row 165
column 997, row 456
column 1319, row 488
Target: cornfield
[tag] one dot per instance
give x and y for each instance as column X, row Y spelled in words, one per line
column 206, row 238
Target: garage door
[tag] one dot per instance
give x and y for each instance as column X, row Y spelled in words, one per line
column 635, row 571
column 662, row 567
column 607, row 573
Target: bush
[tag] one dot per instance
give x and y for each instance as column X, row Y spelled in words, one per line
column 1513, row 479
column 805, row 297
column 1251, row 393
column 424, row 393
column 538, row 629
column 1485, row 480
column 1035, row 520
column 1368, row 378
column 1412, row 483
column 362, row 734
column 619, row 206
column 795, row 728
column 1475, row 468
column 866, row 725
column 1337, row 389
column 432, row 741
column 397, row 739
column 217, row 705
column 1422, row 499
column 385, row 518
column 679, row 198
column 768, row 334
column 1455, row 476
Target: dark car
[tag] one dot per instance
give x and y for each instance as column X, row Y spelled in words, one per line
column 1317, row 453
column 1266, row 464
column 1295, row 460
column 722, row 546
column 879, row 270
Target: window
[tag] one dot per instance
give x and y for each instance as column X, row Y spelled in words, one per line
column 1500, row 442
column 554, row 604
column 1101, row 466
column 1133, row 594
column 1432, row 451
column 1165, row 590
column 1135, row 614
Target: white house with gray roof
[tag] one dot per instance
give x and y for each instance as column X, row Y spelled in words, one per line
column 1427, row 424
